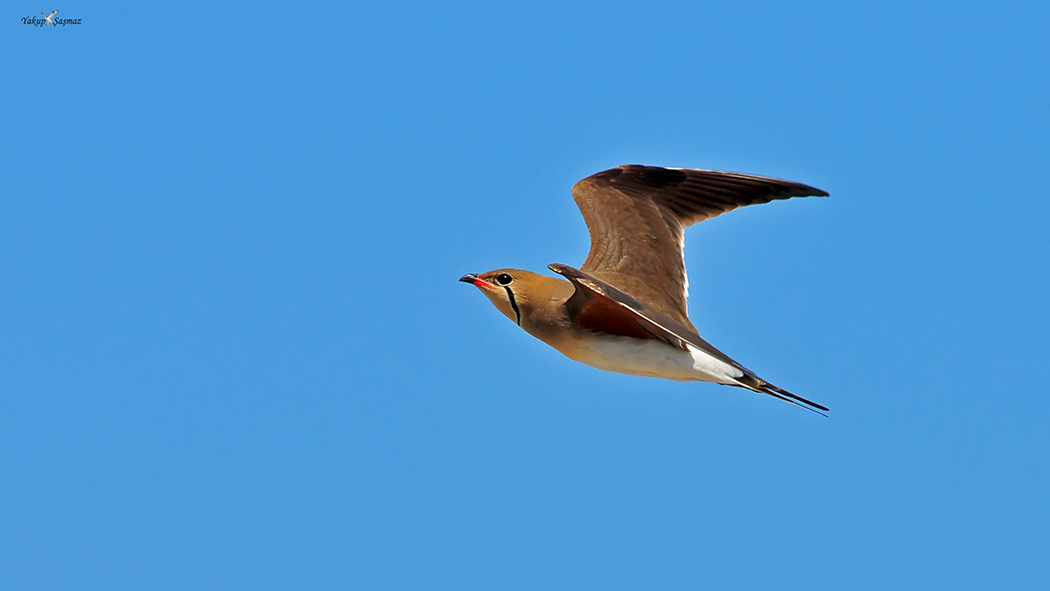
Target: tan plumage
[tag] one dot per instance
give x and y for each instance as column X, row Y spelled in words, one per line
column 625, row 309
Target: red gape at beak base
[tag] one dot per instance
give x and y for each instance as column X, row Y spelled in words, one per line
column 476, row 281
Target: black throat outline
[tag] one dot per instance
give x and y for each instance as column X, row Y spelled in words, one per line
column 513, row 304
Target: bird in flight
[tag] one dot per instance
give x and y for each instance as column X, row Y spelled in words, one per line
column 624, row 310
column 50, row 17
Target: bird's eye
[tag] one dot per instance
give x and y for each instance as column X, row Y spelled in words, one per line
column 504, row 279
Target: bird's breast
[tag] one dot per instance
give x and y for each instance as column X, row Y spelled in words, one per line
column 645, row 357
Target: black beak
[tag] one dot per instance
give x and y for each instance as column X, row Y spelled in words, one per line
column 469, row 278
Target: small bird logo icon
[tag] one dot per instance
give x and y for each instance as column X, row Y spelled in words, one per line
column 50, row 18
column 624, row 310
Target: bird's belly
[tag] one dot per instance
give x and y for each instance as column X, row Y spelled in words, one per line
column 650, row 358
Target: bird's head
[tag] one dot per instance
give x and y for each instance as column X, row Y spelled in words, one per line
column 514, row 292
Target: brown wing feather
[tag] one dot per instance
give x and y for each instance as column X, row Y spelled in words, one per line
column 600, row 314
column 656, row 323
column 604, row 308
column 637, row 215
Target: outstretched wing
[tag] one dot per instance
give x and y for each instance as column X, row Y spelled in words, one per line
column 637, row 215
column 602, row 307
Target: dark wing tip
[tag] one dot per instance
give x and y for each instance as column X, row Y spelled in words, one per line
column 808, row 191
column 813, row 409
column 794, row 399
column 643, row 177
column 757, row 384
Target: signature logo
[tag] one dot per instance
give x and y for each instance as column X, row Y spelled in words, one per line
column 49, row 19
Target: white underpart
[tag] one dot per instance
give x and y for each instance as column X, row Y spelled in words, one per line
column 653, row 358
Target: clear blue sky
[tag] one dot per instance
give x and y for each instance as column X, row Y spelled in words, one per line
column 235, row 355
